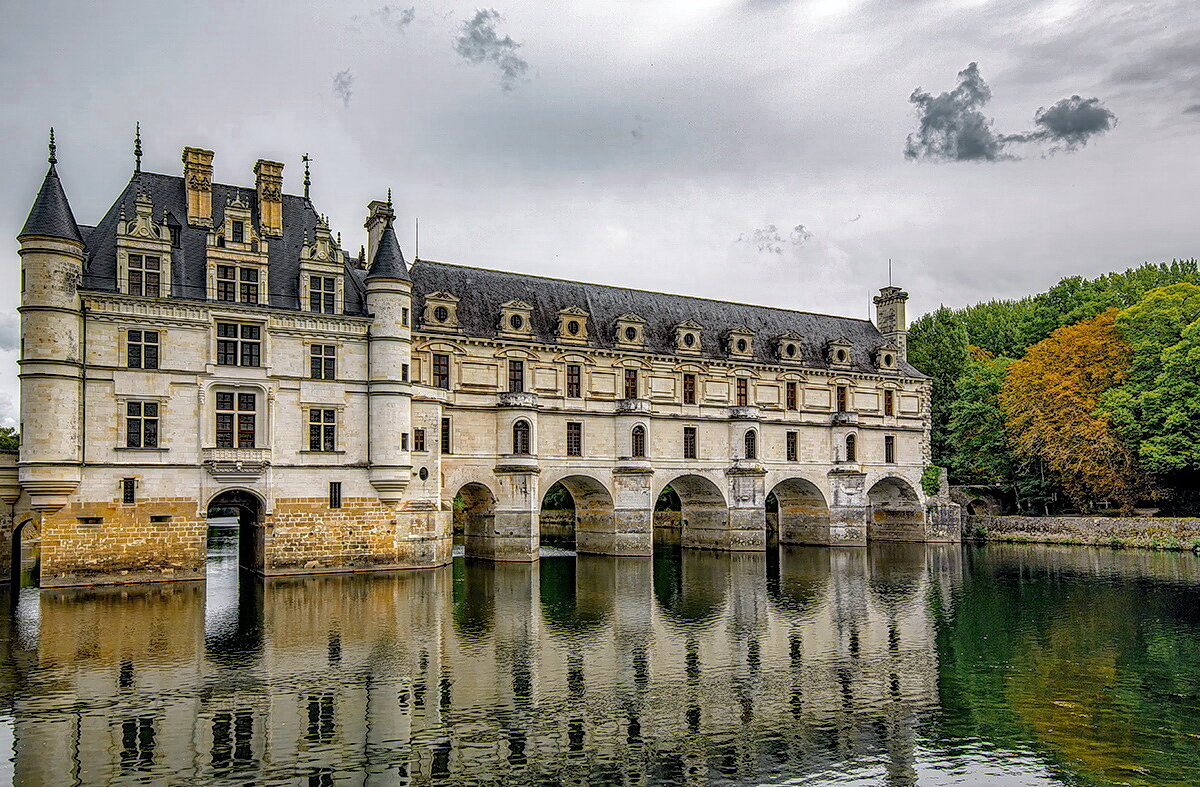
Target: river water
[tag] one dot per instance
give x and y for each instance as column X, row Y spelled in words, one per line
column 896, row 665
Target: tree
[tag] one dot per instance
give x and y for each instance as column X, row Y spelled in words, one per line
column 937, row 345
column 1051, row 399
column 10, row 439
column 980, row 452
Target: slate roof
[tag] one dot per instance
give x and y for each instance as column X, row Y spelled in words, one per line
column 389, row 260
column 481, row 292
column 51, row 215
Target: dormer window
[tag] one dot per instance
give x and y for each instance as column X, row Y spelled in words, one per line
column 630, row 331
column 441, row 314
column 788, row 347
column 687, row 337
column 572, row 325
column 144, row 275
column 237, row 284
column 741, row 342
column 441, row 311
column 838, row 352
column 885, row 358
column 516, row 320
column 239, row 232
column 322, row 294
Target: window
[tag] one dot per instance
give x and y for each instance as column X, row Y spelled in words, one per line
column 791, row 396
column 142, row 349
column 322, row 294
column 889, row 449
column 323, row 361
column 322, row 429
column 403, row 372
column 237, row 284
column 791, row 447
column 520, row 440
column 128, row 491
column 144, row 275
column 689, row 389
column 638, row 441
column 573, row 381
column 446, row 436
column 631, row 384
column 441, row 314
column 574, row 438
column 418, row 439
column 441, row 371
column 404, row 316
column 851, row 448
column 889, row 402
column 239, row 232
column 238, row 345
column 689, row 442
column 751, row 441
column 335, row 494
column 516, row 376
column 743, row 392
column 404, row 441
column 141, row 425
column 842, row 397
column 236, row 416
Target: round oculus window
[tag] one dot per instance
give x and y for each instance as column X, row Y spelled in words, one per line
column 741, row 345
column 441, row 314
column 841, row 355
column 790, row 351
column 631, row 334
column 516, row 321
column 573, row 327
column 423, row 473
column 887, row 360
column 689, row 339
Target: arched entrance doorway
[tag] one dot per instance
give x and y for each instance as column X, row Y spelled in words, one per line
column 556, row 522
column 667, row 518
column 894, row 512
column 703, row 514
column 235, row 526
column 592, row 526
column 26, row 556
column 474, row 517
column 802, row 515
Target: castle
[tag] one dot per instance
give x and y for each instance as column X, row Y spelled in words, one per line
column 208, row 349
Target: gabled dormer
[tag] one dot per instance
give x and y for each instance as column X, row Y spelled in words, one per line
column 516, row 320
column 572, row 325
column 237, row 257
column 144, row 251
column 739, row 342
column 837, row 353
column 441, row 312
column 322, row 272
column 789, row 347
column 630, row 332
column 886, row 357
column 687, row 337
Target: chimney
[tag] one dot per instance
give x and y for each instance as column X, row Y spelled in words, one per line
column 197, row 177
column 891, row 319
column 268, row 182
column 378, row 212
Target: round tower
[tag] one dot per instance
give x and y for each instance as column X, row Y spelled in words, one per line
column 389, row 300
column 51, row 360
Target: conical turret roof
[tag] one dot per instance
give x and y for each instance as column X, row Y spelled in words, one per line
column 389, row 260
column 51, row 216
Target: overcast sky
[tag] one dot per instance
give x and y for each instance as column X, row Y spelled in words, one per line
column 769, row 151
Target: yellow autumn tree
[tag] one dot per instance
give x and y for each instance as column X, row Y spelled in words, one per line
column 1050, row 400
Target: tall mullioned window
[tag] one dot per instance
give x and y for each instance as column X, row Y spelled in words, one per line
column 689, row 442
column 889, row 402
column 418, row 439
column 791, row 447
column 889, row 449
column 520, row 438
column 141, row 350
column 851, row 448
column 638, row 442
column 239, row 344
column 574, row 438
column 631, row 384
column 516, row 376
column 743, row 392
column 689, row 389
column 237, row 416
column 323, row 361
column 322, row 294
column 446, row 444
column 791, row 396
column 236, row 284
column 322, row 429
column 145, row 273
column 574, row 386
column 441, row 371
column 751, row 441
column 843, row 399
column 141, row 424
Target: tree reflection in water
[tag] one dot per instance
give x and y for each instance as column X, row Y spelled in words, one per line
column 1026, row 664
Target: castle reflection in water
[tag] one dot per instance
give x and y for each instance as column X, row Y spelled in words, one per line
column 687, row 667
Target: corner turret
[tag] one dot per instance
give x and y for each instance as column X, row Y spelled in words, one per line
column 891, row 319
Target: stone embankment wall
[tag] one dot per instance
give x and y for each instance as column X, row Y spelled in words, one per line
column 1148, row 532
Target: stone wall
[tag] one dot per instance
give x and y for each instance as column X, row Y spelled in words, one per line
column 1149, row 532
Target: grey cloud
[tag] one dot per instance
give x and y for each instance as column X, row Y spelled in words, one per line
column 1194, row 109
column 952, row 126
column 479, row 42
column 770, row 240
column 10, row 327
column 856, row 218
column 395, row 16
column 343, row 86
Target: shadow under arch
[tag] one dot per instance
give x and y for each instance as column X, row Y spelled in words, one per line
column 476, row 514
column 27, row 533
column 803, row 514
column 595, row 524
column 894, row 511
column 249, row 509
column 703, row 512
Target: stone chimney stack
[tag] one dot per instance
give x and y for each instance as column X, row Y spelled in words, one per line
column 197, row 177
column 378, row 213
column 891, row 319
column 268, row 182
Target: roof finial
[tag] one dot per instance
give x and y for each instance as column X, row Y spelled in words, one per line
column 137, row 147
column 307, row 178
column 54, row 149
column 389, row 190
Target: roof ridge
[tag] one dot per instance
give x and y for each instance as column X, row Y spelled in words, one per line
column 641, row 290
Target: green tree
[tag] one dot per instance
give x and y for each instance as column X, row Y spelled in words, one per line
column 937, row 345
column 10, row 439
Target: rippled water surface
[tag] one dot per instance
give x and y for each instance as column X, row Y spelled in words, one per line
column 905, row 664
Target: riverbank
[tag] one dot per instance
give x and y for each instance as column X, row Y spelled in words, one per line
column 1165, row 533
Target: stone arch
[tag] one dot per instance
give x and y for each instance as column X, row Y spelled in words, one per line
column 249, row 508
column 803, row 515
column 704, row 514
column 26, row 533
column 476, row 517
column 595, row 524
column 894, row 511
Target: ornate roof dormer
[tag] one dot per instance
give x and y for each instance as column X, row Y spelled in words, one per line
column 516, row 320
column 143, row 251
column 630, row 331
column 739, row 342
column 441, row 312
column 789, row 347
column 837, row 353
column 572, row 325
column 886, row 357
column 687, row 337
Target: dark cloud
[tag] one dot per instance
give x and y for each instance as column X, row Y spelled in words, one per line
column 1194, row 109
column 479, row 42
column 343, row 86
column 952, row 126
column 770, row 240
column 395, row 16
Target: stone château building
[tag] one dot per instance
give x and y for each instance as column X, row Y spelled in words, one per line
column 208, row 347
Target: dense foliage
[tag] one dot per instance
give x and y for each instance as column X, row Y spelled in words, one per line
column 1084, row 395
